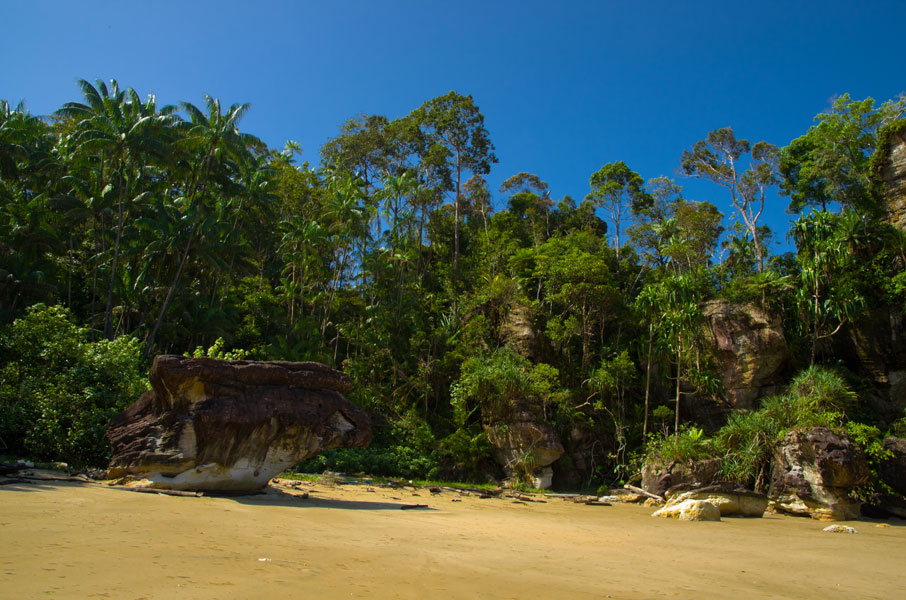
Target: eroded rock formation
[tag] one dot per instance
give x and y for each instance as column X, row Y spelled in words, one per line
column 750, row 348
column 875, row 347
column 517, row 332
column 210, row 424
column 815, row 473
column 689, row 510
column 521, row 441
column 659, row 476
column 732, row 500
column 893, row 173
column 892, row 470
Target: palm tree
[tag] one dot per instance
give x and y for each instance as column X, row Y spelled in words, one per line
column 212, row 146
column 128, row 134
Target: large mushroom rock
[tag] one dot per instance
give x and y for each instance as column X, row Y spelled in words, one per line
column 750, row 349
column 209, row 424
column 815, row 473
column 521, row 442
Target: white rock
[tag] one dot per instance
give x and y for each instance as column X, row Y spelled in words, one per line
column 839, row 529
column 690, row 510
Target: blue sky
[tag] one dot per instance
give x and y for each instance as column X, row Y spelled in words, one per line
column 564, row 87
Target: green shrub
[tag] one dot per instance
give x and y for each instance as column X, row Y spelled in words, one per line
column 870, row 439
column 462, row 454
column 59, row 390
column 686, row 447
column 817, row 397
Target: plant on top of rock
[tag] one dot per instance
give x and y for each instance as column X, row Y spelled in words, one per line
column 817, row 397
column 216, row 351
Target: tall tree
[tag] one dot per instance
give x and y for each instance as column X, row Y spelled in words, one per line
column 117, row 123
column 830, row 163
column 828, row 294
column 454, row 127
column 211, row 142
column 717, row 158
column 616, row 188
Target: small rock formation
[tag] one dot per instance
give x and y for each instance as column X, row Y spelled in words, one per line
column 839, row 529
column 750, row 348
column 730, row 499
column 659, row 476
column 814, row 474
column 689, row 510
column 209, row 424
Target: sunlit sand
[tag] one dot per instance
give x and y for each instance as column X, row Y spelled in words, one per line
column 71, row 540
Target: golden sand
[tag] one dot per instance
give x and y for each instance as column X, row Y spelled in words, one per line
column 70, row 540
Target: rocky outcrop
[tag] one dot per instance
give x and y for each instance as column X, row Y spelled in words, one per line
column 689, row 510
column 815, row 473
column 732, row 500
column 521, row 441
column 525, row 448
column 659, row 476
column 517, row 332
column 750, row 349
column 209, row 424
column 892, row 470
column 875, row 347
column 893, row 173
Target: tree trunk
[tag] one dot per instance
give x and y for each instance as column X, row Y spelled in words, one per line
column 163, row 309
column 679, row 367
column 108, row 311
column 648, row 380
column 456, row 225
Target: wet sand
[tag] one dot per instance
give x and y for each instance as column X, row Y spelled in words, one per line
column 71, row 540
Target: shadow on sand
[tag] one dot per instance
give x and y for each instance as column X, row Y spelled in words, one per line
column 269, row 497
column 275, row 497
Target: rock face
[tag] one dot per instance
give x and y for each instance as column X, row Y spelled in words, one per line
column 750, row 349
column 211, row 424
column 815, row 472
column 517, row 332
column 659, row 476
column 525, row 447
column 521, row 441
column 892, row 471
column 689, row 510
column 731, row 500
column 875, row 346
column 894, row 175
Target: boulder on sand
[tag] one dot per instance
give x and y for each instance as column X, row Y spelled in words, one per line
column 730, row 499
column 209, row 424
column 815, row 474
column 690, row 510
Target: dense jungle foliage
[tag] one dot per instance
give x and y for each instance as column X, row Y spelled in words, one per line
column 129, row 229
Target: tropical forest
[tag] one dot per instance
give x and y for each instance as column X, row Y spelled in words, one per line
column 509, row 334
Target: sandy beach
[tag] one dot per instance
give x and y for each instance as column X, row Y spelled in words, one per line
column 88, row 540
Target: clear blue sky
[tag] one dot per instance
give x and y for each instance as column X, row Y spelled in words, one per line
column 564, row 89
